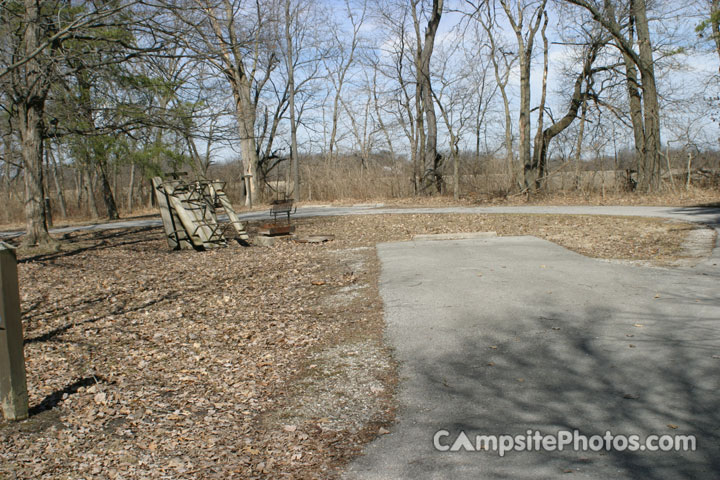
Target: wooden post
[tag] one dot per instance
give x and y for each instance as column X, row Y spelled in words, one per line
column 13, row 386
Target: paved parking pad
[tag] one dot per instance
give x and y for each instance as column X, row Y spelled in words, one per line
column 510, row 335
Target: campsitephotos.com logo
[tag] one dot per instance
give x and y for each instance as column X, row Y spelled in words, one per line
column 534, row 440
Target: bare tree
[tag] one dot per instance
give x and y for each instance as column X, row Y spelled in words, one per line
column 503, row 61
column 424, row 101
column 339, row 64
column 237, row 40
column 630, row 31
column 404, row 104
column 532, row 12
column 582, row 90
column 453, row 98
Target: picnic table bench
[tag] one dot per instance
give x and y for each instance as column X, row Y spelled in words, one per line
column 282, row 207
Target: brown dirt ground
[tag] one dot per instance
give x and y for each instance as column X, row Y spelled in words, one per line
column 235, row 362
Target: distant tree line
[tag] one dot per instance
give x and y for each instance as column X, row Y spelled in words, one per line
column 520, row 86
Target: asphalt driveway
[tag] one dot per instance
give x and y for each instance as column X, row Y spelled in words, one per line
column 502, row 336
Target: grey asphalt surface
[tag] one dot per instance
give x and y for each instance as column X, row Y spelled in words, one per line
column 504, row 335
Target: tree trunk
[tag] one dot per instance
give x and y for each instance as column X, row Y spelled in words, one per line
column 30, row 84
column 650, row 181
column 525, row 42
column 30, row 127
column 291, row 88
column 58, row 185
column 578, row 99
column 645, row 110
column 456, row 171
column 90, row 193
column 715, row 24
column 539, row 161
column 420, row 139
column 131, row 185
column 524, row 122
column 108, row 197
column 245, row 112
column 432, row 157
column 579, row 145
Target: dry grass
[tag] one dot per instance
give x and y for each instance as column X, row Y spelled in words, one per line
column 656, row 241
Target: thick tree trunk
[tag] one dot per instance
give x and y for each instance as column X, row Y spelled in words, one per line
column 30, row 127
column 30, row 86
column 524, row 123
column 424, row 105
column 421, row 139
column 245, row 112
column 433, row 159
column 650, row 181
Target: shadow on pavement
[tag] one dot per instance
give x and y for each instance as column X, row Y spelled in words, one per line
column 576, row 378
column 710, row 210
